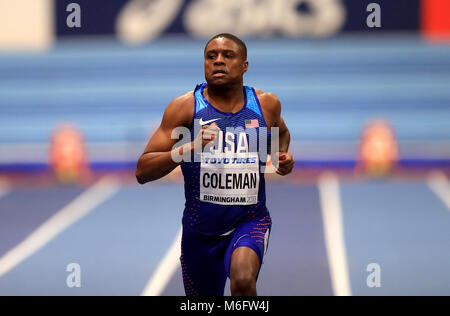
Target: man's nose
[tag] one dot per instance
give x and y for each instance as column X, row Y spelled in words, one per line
column 219, row 60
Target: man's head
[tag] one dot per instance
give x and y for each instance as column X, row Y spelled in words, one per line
column 225, row 60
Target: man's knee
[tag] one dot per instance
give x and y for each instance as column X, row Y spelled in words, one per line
column 242, row 282
column 244, row 271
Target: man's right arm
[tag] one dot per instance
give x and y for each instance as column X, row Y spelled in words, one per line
column 156, row 161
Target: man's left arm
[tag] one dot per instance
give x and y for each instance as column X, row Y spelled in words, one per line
column 271, row 107
column 285, row 136
column 285, row 159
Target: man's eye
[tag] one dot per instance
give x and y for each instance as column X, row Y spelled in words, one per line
column 210, row 57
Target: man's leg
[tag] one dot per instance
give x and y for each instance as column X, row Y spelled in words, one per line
column 245, row 254
column 243, row 272
column 202, row 265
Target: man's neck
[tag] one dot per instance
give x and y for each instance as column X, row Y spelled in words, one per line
column 227, row 99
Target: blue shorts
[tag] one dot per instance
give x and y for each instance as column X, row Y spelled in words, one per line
column 206, row 260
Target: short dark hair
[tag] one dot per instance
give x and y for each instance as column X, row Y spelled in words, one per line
column 235, row 39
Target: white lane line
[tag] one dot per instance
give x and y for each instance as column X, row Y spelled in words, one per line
column 165, row 270
column 334, row 233
column 67, row 216
column 4, row 187
column 440, row 185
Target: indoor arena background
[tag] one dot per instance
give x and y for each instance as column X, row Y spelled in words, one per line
column 364, row 88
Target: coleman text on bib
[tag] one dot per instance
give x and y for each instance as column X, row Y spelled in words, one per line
column 229, row 178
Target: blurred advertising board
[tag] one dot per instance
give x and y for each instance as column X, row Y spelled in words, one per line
column 140, row 21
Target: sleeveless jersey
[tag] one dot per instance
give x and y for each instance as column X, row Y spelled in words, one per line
column 224, row 185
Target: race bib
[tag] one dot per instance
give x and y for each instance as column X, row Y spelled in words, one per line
column 229, row 178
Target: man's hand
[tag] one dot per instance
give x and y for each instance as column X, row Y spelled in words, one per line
column 206, row 136
column 285, row 163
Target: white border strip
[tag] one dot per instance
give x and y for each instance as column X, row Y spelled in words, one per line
column 70, row 214
column 440, row 185
column 165, row 270
column 334, row 233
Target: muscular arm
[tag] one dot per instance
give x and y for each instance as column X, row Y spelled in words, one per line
column 156, row 161
column 285, row 136
column 271, row 107
column 278, row 121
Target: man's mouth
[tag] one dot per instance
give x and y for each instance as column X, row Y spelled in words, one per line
column 218, row 72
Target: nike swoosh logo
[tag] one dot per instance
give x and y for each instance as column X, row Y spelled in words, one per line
column 240, row 239
column 206, row 122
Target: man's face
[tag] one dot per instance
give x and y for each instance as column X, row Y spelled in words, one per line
column 224, row 62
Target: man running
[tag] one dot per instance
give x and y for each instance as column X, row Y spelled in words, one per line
column 226, row 223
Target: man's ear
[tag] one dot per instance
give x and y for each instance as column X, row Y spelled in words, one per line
column 245, row 66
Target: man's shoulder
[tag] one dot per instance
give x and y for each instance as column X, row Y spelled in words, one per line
column 182, row 103
column 181, row 108
column 268, row 100
column 186, row 98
